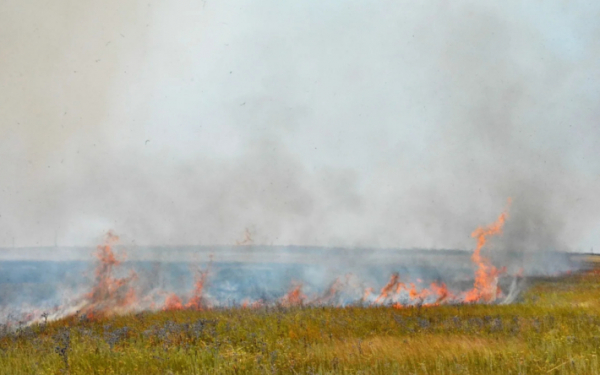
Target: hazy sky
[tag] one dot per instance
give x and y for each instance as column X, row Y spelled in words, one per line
column 371, row 123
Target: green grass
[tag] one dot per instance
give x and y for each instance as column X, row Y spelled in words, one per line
column 555, row 329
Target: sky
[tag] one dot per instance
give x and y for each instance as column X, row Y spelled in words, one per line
column 326, row 123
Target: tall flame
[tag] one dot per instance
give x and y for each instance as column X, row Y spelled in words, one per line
column 113, row 295
column 486, row 288
column 109, row 294
column 197, row 300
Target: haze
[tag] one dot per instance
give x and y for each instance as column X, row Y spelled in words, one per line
column 327, row 123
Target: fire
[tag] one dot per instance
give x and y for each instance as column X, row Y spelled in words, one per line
column 418, row 296
column 294, row 297
column 109, row 294
column 392, row 287
column 114, row 295
column 196, row 301
column 173, row 302
column 331, row 293
column 485, row 288
column 395, row 287
column 441, row 291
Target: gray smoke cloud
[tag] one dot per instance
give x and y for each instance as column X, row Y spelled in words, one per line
column 385, row 124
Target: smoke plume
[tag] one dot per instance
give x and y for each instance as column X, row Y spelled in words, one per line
column 373, row 124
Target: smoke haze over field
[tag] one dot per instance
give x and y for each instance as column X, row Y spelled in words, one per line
column 340, row 123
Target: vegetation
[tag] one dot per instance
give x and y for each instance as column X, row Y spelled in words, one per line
column 554, row 329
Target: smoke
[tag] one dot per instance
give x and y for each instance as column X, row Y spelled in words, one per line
column 388, row 124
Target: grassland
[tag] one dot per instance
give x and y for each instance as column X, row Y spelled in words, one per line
column 554, row 329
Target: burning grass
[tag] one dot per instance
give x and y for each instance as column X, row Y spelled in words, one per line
column 555, row 329
column 112, row 295
column 401, row 328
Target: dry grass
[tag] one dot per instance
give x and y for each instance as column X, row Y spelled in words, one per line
column 554, row 330
column 422, row 348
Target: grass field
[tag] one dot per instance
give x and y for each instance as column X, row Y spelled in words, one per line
column 554, row 329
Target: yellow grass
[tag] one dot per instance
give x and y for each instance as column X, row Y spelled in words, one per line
column 554, row 329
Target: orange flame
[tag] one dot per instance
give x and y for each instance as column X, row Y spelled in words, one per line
column 109, row 293
column 196, row 301
column 113, row 295
column 441, row 291
column 173, row 302
column 393, row 286
column 485, row 288
column 331, row 293
column 294, row 297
